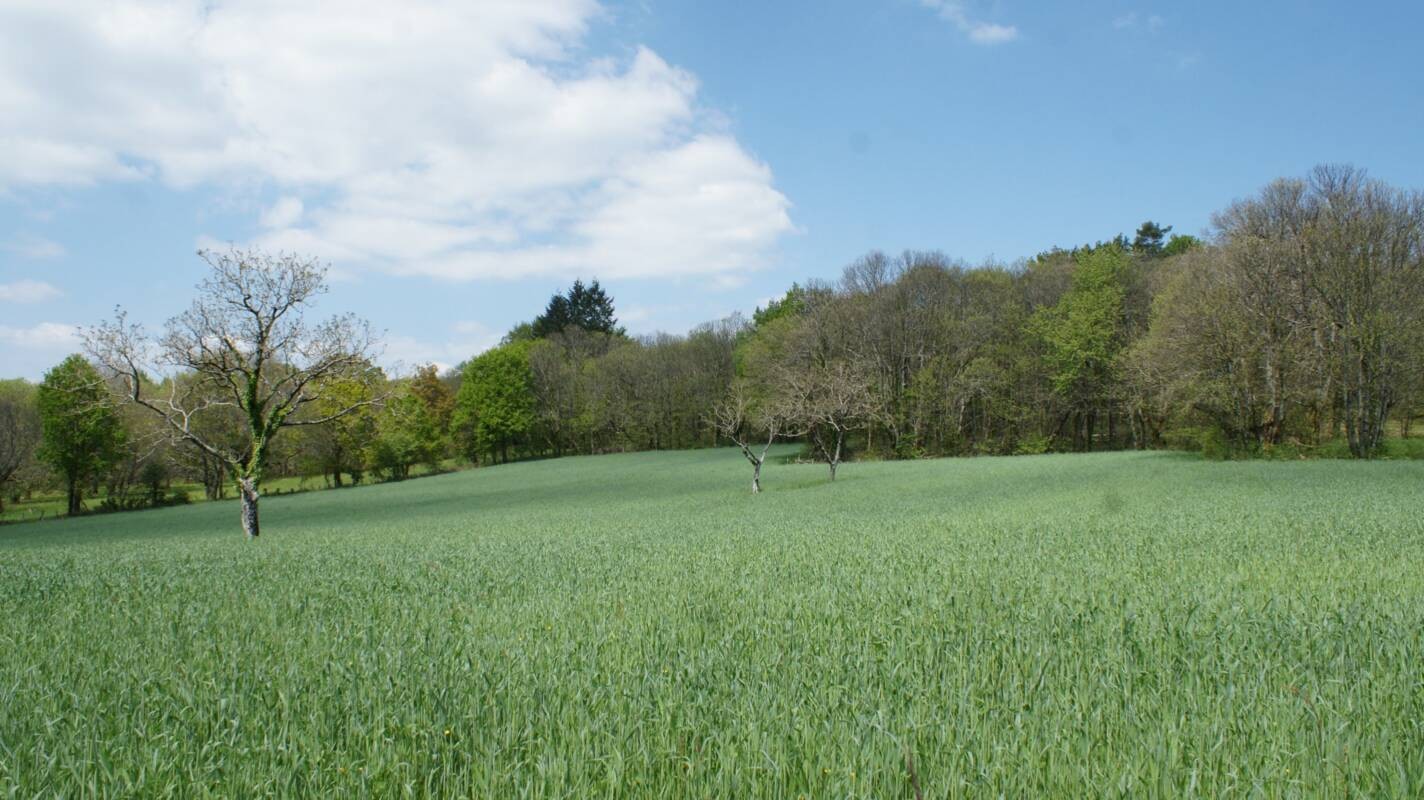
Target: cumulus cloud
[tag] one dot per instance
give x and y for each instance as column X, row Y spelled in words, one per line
column 53, row 336
column 28, row 352
column 465, row 340
column 978, row 31
column 435, row 137
column 27, row 291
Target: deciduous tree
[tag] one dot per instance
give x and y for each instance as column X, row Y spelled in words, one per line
column 248, row 345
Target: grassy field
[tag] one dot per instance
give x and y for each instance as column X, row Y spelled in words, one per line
column 1139, row 624
column 50, row 504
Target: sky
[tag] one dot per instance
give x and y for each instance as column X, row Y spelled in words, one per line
column 457, row 161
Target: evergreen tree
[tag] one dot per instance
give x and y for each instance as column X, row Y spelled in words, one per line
column 1149, row 239
column 586, row 307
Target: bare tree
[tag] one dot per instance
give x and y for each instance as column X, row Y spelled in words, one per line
column 824, row 402
column 744, row 421
column 244, row 344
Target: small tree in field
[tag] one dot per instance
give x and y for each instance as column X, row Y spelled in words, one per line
column 745, row 422
column 824, row 402
column 244, row 344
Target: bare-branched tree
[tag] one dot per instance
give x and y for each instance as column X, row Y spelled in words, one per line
column 826, row 401
column 244, row 344
column 745, row 422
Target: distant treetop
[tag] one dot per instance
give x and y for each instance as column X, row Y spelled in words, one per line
column 587, row 307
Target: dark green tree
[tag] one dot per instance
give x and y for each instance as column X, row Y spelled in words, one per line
column 83, row 436
column 1149, row 239
column 586, row 307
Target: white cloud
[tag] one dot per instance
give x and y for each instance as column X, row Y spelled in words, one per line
column 28, row 352
column 435, row 137
column 50, row 336
column 33, row 248
column 285, row 213
column 990, row 33
column 1125, row 21
column 27, row 291
column 468, row 339
column 978, row 31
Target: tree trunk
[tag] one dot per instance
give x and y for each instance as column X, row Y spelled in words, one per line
column 756, row 477
column 247, row 489
column 73, row 503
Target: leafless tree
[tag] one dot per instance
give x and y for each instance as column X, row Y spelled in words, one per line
column 244, row 344
column 739, row 418
column 824, row 402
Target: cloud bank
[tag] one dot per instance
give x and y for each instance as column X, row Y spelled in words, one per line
column 432, row 137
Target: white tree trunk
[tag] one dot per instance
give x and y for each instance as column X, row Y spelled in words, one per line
column 247, row 489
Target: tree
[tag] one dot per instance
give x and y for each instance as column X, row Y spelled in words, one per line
column 588, row 308
column 20, row 431
column 340, row 445
column 1364, row 260
column 247, row 345
column 1180, row 244
column 406, row 434
column 495, row 406
column 1149, row 238
column 744, row 421
column 436, row 396
column 1082, row 335
column 824, row 403
column 82, row 433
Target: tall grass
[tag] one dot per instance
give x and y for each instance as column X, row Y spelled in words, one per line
column 639, row 626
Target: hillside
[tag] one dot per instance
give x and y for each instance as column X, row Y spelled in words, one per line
column 1069, row 625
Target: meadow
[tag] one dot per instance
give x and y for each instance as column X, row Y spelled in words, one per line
column 1121, row 624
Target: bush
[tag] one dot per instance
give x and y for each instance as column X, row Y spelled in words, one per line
column 1034, row 445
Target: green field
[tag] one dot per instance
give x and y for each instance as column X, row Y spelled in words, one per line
column 1138, row 624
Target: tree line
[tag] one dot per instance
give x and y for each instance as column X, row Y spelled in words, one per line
column 1297, row 321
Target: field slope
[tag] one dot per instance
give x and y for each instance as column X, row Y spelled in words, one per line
column 1119, row 624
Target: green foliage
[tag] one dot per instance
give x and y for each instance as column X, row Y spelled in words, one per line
column 1148, row 241
column 495, row 406
column 587, row 308
column 1034, row 444
column 344, row 445
column 1082, row 334
column 407, row 433
column 83, row 435
column 790, row 305
column 1126, row 624
column 1181, row 243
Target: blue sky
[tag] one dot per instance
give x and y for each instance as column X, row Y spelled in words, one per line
column 456, row 162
